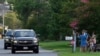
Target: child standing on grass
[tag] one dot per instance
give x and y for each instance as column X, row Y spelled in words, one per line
column 92, row 42
column 83, row 40
column 94, row 37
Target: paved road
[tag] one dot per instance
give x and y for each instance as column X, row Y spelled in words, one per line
column 20, row 53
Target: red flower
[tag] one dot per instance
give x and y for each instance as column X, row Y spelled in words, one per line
column 74, row 23
column 85, row 1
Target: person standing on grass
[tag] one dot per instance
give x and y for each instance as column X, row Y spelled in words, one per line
column 94, row 41
column 94, row 36
column 83, row 40
column 91, row 44
column 85, row 33
column 87, row 36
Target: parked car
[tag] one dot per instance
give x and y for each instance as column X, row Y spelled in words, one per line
column 7, row 38
column 25, row 39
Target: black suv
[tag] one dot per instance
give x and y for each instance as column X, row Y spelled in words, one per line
column 25, row 39
column 7, row 38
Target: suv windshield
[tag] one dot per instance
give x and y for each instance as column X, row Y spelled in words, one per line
column 24, row 34
column 8, row 33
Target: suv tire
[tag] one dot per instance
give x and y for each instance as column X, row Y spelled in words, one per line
column 5, row 47
column 36, row 50
column 12, row 50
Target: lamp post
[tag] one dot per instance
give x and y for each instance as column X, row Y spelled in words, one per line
column 73, row 25
column 5, row 6
column 74, row 38
column 3, row 20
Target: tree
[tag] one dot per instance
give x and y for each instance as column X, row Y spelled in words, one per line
column 88, row 15
column 12, row 21
column 63, row 13
column 24, row 8
column 53, row 19
column 39, row 21
column 11, row 1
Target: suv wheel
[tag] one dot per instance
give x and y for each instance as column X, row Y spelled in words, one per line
column 12, row 49
column 5, row 47
column 36, row 50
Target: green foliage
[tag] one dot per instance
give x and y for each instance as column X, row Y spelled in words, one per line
column 51, row 18
column 24, row 9
column 47, row 22
column 89, row 17
column 12, row 21
column 63, row 13
column 39, row 21
column 11, row 1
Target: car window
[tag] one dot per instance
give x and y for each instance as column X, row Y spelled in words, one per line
column 24, row 34
column 8, row 33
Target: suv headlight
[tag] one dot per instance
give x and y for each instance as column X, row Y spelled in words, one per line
column 35, row 40
column 7, row 39
column 15, row 41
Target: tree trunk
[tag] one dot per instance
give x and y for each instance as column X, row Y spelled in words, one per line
column 60, row 37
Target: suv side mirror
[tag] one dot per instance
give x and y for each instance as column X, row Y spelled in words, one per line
column 3, row 35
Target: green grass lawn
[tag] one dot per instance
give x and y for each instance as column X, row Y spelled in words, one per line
column 64, row 49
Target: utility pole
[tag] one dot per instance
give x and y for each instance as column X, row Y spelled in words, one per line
column 5, row 6
column 74, row 38
column 3, row 16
